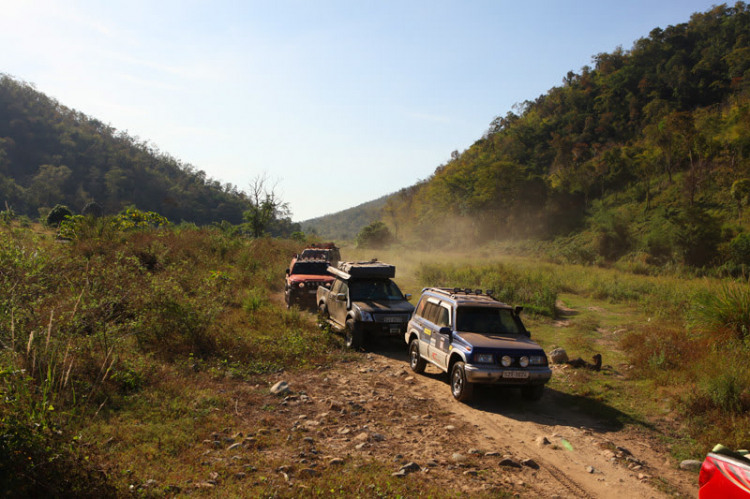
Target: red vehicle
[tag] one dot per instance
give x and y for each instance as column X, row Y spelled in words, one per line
column 725, row 474
column 303, row 277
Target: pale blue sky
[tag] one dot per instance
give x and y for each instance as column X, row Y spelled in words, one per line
column 340, row 101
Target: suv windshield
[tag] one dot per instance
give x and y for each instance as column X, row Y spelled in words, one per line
column 374, row 289
column 311, row 268
column 487, row 320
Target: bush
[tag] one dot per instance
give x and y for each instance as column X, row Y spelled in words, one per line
column 58, row 214
column 726, row 308
column 698, row 237
column 375, row 235
column 739, row 248
column 92, row 209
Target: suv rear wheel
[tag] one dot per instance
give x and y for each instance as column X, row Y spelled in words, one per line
column 460, row 388
column 416, row 362
column 354, row 335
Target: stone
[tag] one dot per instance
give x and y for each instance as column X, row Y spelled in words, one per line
column 471, row 473
column 457, row 457
column 234, row 446
column 336, row 461
column 558, row 356
column 691, row 465
column 399, row 474
column 409, row 467
column 362, row 437
column 493, row 454
column 590, row 469
column 542, row 441
column 450, row 427
column 308, row 472
column 509, row 463
column 475, row 451
column 530, row 463
column 378, row 437
column 280, row 388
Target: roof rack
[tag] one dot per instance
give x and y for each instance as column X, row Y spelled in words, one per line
column 453, row 292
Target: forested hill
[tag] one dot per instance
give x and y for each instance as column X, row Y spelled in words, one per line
column 347, row 223
column 50, row 155
column 648, row 150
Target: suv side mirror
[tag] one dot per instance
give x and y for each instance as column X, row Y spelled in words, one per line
column 407, row 296
column 341, row 297
column 287, row 271
column 446, row 331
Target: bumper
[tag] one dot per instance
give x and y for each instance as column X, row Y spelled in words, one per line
column 384, row 328
column 494, row 375
column 303, row 298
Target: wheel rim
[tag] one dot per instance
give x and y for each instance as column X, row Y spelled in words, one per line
column 349, row 337
column 458, row 382
column 414, row 355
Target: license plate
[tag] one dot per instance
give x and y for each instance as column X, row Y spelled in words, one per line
column 312, row 291
column 395, row 329
column 515, row 374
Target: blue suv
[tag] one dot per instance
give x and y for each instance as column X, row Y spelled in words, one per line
column 475, row 339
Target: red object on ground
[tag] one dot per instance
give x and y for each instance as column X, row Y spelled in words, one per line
column 724, row 477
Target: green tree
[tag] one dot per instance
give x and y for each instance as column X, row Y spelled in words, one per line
column 375, row 235
column 740, row 192
column 265, row 206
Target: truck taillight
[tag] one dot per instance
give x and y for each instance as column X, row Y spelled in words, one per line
column 707, row 472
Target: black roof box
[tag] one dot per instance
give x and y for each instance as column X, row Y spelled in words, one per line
column 371, row 270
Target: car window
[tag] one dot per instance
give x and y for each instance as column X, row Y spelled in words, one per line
column 336, row 289
column 487, row 320
column 431, row 312
column 311, row 268
column 443, row 316
column 420, row 307
column 375, row 289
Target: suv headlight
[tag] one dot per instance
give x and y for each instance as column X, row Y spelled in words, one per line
column 484, row 358
column 302, row 285
column 506, row 361
column 537, row 360
column 365, row 316
column 523, row 361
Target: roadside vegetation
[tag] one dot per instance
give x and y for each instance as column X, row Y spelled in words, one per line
column 131, row 343
column 677, row 344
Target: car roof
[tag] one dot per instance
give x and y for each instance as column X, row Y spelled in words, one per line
column 466, row 296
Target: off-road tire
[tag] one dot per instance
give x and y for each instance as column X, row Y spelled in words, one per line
column 416, row 362
column 461, row 389
column 323, row 312
column 354, row 335
column 532, row 392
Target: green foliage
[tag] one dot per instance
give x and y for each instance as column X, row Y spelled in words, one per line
column 93, row 210
column 50, row 154
column 739, row 248
column 346, row 224
column 375, row 235
column 535, row 290
column 661, row 126
column 726, row 308
column 698, row 237
column 57, row 215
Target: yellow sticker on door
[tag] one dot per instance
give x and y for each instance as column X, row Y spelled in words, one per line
column 427, row 332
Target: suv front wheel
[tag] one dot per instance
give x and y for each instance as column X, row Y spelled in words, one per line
column 460, row 388
column 354, row 335
column 416, row 362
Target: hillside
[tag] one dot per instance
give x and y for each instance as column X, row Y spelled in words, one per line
column 347, row 223
column 51, row 154
column 645, row 153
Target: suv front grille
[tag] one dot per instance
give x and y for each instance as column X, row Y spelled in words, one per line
column 392, row 318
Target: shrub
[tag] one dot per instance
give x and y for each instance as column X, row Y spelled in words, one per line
column 375, row 235
column 698, row 236
column 739, row 248
column 92, row 209
column 726, row 308
column 58, row 214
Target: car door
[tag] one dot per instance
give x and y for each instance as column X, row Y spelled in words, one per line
column 440, row 343
column 336, row 308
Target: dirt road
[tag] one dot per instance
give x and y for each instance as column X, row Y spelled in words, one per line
column 485, row 445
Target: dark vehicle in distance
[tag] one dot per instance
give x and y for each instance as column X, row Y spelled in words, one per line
column 364, row 302
column 475, row 339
